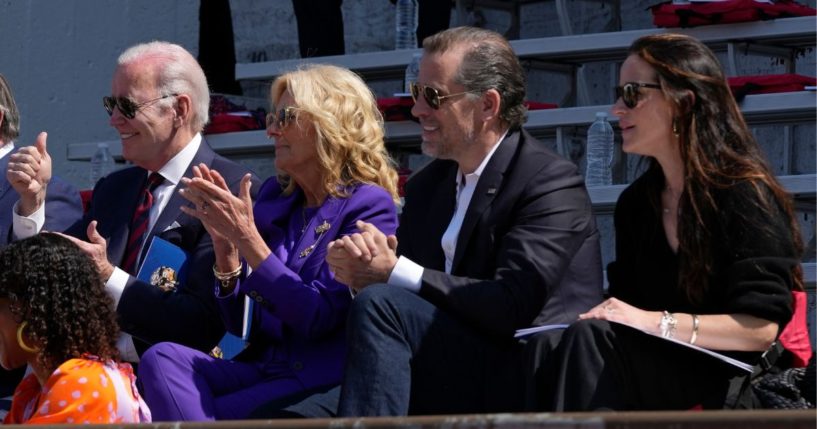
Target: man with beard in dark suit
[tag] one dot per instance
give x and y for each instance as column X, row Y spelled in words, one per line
column 497, row 234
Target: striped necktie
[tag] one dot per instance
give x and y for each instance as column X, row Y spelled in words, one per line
column 139, row 223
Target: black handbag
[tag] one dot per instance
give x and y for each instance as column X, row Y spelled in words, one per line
column 768, row 386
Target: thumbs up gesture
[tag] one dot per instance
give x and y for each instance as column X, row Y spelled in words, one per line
column 29, row 171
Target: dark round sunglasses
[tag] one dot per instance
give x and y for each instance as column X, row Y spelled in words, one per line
column 128, row 107
column 431, row 95
column 629, row 93
column 282, row 118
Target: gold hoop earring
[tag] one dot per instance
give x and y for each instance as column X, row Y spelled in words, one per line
column 22, row 342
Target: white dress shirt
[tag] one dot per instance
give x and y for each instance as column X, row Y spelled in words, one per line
column 407, row 273
column 6, row 148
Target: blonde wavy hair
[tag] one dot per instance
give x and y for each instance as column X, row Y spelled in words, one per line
column 348, row 125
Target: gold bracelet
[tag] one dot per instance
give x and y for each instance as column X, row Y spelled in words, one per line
column 695, row 323
column 226, row 278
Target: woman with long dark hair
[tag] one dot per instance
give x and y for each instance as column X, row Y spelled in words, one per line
column 707, row 245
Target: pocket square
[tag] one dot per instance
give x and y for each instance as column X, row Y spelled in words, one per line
column 173, row 225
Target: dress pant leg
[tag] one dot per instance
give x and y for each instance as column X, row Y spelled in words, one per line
column 433, row 16
column 321, row 403
column 183, row 384
column 538, row 363
column 320, row 27
column 406, row 356
column 589, row 372
column 609, row 366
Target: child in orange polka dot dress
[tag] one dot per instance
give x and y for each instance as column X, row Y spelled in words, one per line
column 57, row 318
column 83, row 390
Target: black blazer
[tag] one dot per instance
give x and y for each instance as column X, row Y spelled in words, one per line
column 189, row 315
column 528, row 251
column 63, row 205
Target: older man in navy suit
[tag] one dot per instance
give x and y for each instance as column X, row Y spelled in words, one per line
column 158, row 105
column 63, row 201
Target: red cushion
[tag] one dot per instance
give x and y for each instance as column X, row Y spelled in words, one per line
column 228, row 123
column 765, row 84
column 795, row 336
column 667, row 14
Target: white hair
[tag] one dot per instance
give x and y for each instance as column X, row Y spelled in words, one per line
column 179, row 73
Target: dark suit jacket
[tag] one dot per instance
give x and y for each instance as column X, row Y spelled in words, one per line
column 63, row 205
column 528, row 251
column 189, row 315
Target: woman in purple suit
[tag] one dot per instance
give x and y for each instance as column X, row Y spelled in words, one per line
column 333, row 170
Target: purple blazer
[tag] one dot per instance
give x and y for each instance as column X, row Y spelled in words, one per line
column 300, row 310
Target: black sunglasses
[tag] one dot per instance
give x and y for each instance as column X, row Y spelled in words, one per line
column 431, row 95
column 282, row 118
column 128, row 107
column 629, row 93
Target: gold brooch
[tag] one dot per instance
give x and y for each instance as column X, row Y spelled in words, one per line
column 320, row 230
column 304, row 253
column 164, row 278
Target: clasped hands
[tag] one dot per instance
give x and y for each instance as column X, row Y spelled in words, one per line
column 363, row 258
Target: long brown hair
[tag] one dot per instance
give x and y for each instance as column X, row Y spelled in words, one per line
column 716, row 147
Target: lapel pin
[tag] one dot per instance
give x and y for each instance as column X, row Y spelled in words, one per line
column 320, row 229
column 491, row 191
column 304, row 253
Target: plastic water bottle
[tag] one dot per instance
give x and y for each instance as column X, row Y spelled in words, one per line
column 405, row 19
column 102, row 163
column 412, row 71
column 599, row 152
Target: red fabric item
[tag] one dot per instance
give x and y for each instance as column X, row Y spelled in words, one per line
column 85, row 197
column 227, row 123
column 535, row 105
column 396, row 108
column 667, row 14
column 139, row 223
column 765, row 84
column 795, row 336
column 402, row 177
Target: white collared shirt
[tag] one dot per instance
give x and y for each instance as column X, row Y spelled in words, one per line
column 6, row 148
column 407, row 273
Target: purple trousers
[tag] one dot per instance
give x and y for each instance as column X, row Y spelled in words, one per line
column 183, row 384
